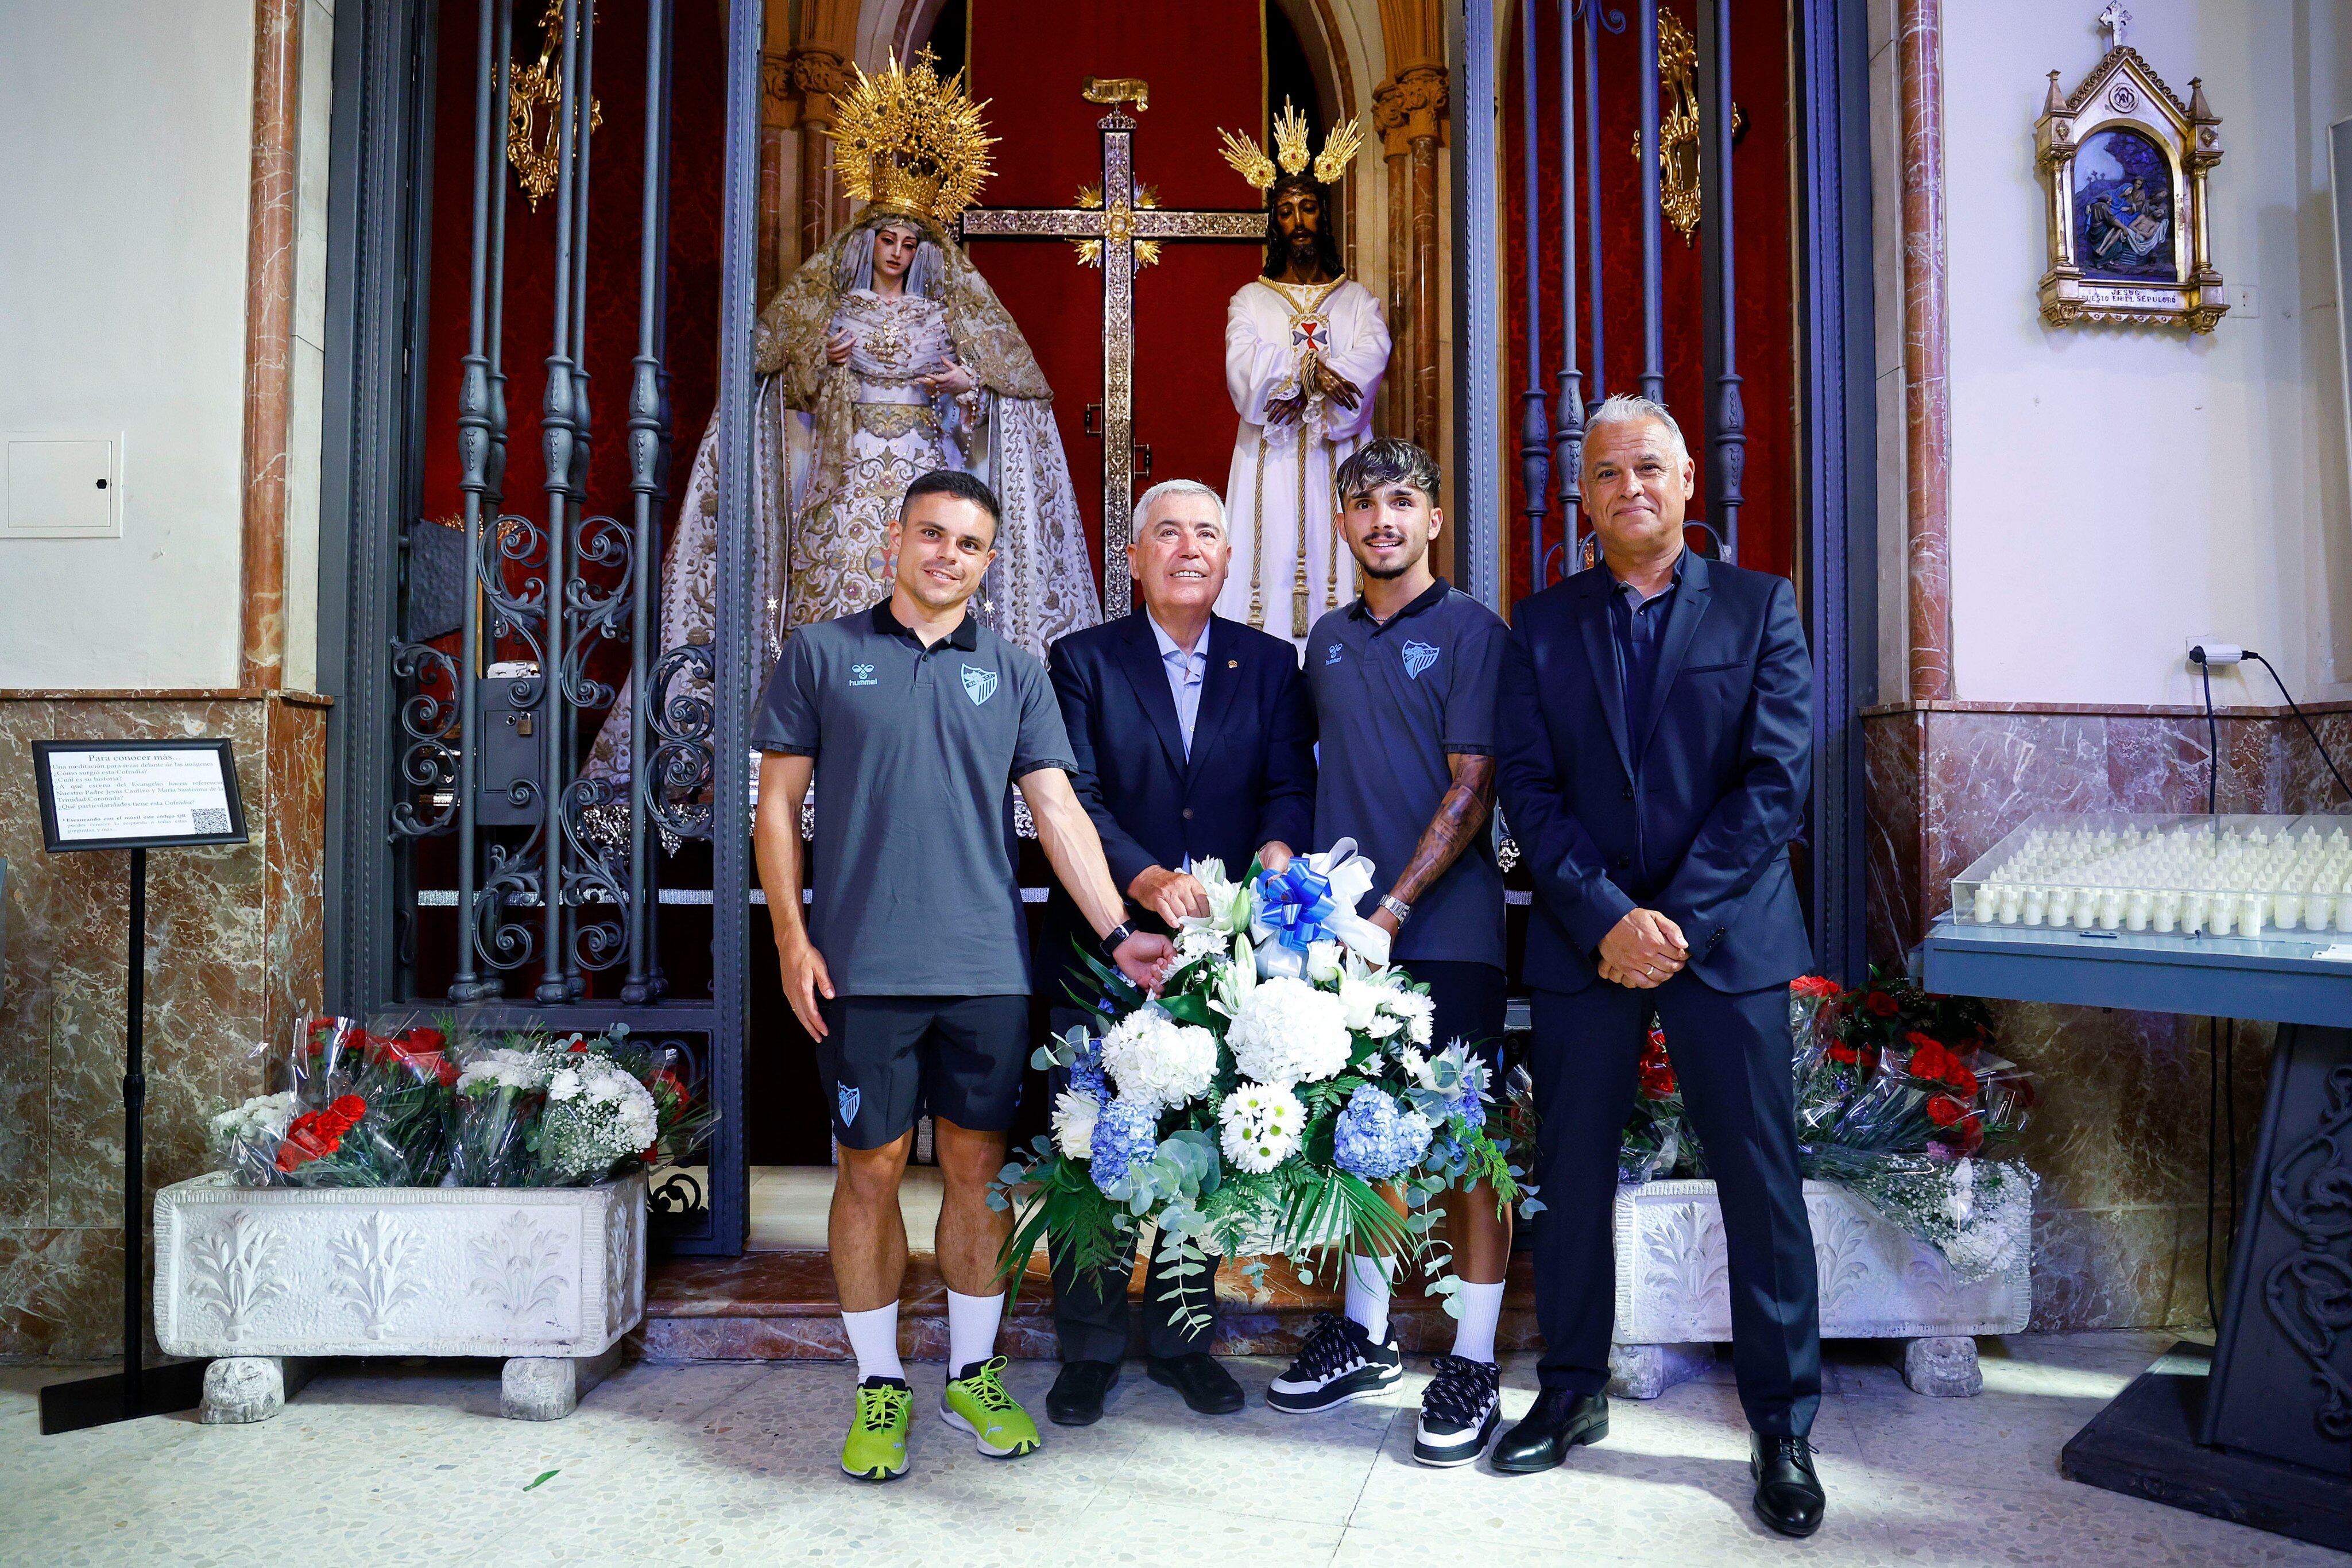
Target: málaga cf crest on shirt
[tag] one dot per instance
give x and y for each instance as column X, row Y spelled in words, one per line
column 978, row 685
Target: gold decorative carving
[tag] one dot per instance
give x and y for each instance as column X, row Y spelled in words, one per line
column 1678, row 128
column 1119, row 225
column 1291, row 134
column 2124, row 164
column 1118, row 90
column 532, row 150
column 907, row 143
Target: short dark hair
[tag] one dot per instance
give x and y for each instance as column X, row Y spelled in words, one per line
column 1387, row 461
column 1327, row 238
column 963, row 488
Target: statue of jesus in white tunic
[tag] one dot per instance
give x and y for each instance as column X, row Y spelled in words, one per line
column 1306, row 347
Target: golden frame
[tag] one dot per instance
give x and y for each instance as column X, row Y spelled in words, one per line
column 2124, row 94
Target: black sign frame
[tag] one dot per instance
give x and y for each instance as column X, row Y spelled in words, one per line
column 43, row 750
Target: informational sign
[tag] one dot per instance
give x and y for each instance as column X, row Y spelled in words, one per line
column 135, row 794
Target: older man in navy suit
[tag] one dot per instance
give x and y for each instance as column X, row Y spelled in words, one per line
column 1655, row 722
column 1195, row 739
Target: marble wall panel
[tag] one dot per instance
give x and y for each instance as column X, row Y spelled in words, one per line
column 2120, row 1138
column 233, row 952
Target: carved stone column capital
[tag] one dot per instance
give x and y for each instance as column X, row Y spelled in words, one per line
column 819, row 75
column 1410, row 106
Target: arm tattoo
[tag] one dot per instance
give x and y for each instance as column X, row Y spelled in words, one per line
column 1461, row 815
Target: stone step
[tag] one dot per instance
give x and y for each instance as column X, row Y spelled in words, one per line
column 778, row 1305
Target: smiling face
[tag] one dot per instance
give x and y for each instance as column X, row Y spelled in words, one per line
column 894, row 252
column 944, row 544
column 1179, row 556
column 1636, row 484
column 1389, row 528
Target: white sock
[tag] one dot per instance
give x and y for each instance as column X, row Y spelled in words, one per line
column 971, row 1328
column 873, row 1339
column 1367, row 1294
column 1482, row 1308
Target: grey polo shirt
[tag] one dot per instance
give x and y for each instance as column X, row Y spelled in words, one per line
column 916, row 752
column 1391, row 702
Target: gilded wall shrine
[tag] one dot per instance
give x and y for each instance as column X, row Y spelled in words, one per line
column 234, row 957
column 2119, row 1137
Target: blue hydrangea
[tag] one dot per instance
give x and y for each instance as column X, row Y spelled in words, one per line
column 1125, row 1135
column 1087, row 1073
column 1469, row 1107
column 1373, row 1138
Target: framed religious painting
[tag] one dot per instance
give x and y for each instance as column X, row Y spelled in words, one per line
column 2125, row 163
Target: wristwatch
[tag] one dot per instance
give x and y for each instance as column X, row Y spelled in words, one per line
column 1396, row 906
column 1113, row 937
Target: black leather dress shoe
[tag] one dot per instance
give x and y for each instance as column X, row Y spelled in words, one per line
column 1203, row 1382
column 1076, row 1398
column 1789, row 1494
column 1560, row 1420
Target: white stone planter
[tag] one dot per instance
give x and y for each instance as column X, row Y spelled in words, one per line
column 528, row 1274
column 1876, row 1282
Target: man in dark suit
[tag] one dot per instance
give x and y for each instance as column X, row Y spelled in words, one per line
column 1195, row 740
column 1655, row 742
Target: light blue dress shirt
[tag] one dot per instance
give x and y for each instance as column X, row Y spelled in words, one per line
column 1185, row 674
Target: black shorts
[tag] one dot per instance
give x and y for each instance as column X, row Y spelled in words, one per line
column 886, row 1060
column 1467, row 1001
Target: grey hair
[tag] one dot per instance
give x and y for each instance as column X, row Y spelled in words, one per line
column 1627, row 408
column 1175, row 487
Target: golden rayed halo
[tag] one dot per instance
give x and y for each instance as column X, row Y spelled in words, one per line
column 1251, row 162
column 909, row 142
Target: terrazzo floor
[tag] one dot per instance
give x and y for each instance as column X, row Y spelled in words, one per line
column 735, row 1461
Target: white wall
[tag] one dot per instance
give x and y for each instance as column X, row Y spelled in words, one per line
column 2115, row 490
column 123, row 241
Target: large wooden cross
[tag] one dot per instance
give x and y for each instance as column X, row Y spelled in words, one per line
column 1117, row 224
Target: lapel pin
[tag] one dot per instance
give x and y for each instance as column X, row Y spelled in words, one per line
column 1232, row 664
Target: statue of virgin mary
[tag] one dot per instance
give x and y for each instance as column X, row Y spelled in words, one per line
column 884, row 355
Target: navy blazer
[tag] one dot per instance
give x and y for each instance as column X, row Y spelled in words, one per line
column 1251, row 777
column 1693, row 820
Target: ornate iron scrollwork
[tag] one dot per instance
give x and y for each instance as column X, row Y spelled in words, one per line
column 428, row 763
column 2308, row 1293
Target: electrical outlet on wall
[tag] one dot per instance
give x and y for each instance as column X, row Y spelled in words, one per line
column 2219, row 651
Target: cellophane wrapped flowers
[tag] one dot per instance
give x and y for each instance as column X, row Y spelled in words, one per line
column 1900, row 1100
column 410, row 1106
column 1256, row 1103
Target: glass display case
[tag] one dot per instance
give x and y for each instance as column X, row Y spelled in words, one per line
column 2276, row 878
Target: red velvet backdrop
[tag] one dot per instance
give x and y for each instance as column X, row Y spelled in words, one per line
column 1765, row 319
column 1202, row 60
column 616, row 171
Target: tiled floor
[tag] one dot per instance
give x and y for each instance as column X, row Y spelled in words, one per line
column 686, row 1464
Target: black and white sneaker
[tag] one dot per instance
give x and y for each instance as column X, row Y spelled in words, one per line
column 1459, row 1411
column 1338, row 1364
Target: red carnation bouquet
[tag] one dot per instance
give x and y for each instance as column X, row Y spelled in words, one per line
column 341, row 1144
column 1655, row 1137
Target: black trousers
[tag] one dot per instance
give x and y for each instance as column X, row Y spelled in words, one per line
column 1731, row 1054
column 1091, row 1314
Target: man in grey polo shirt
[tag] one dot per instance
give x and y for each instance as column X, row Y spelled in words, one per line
column 912, row 971
column 1404, row 681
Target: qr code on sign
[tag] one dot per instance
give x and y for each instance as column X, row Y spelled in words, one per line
column 208, row 820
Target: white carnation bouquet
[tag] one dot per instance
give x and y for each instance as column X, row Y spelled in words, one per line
column 1282, row 1078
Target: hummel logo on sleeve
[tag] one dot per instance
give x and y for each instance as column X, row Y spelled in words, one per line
column 862, row 676
column 1332, row 654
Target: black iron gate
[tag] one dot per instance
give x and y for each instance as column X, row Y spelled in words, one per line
column 463, row 659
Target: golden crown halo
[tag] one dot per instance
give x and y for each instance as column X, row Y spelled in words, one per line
column 1290, row 152
column 907, row 143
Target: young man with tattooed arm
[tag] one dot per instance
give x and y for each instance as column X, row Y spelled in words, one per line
column 1405, row 681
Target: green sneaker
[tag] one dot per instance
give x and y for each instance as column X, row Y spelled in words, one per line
column 876, row 1448
column 978, row 1404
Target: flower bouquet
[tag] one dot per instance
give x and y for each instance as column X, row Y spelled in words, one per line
column 1260, row 1102
column 1655, row 1135
column 412, row 1108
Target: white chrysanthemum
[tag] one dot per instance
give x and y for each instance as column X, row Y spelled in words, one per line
column 1288, row 1032
column 1199, row 941
column 564, row 1085
column 1416, row 1012
column 1157, row 1061
column 259, row 1120
column 596, row 1114
column 1259, row 1126
column 1417, row 1069
column 1074, row 1124
column 505, row 1069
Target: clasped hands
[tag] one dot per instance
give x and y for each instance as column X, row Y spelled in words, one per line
column 951, row 379
column 1643, row 951
column 1321, row 378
